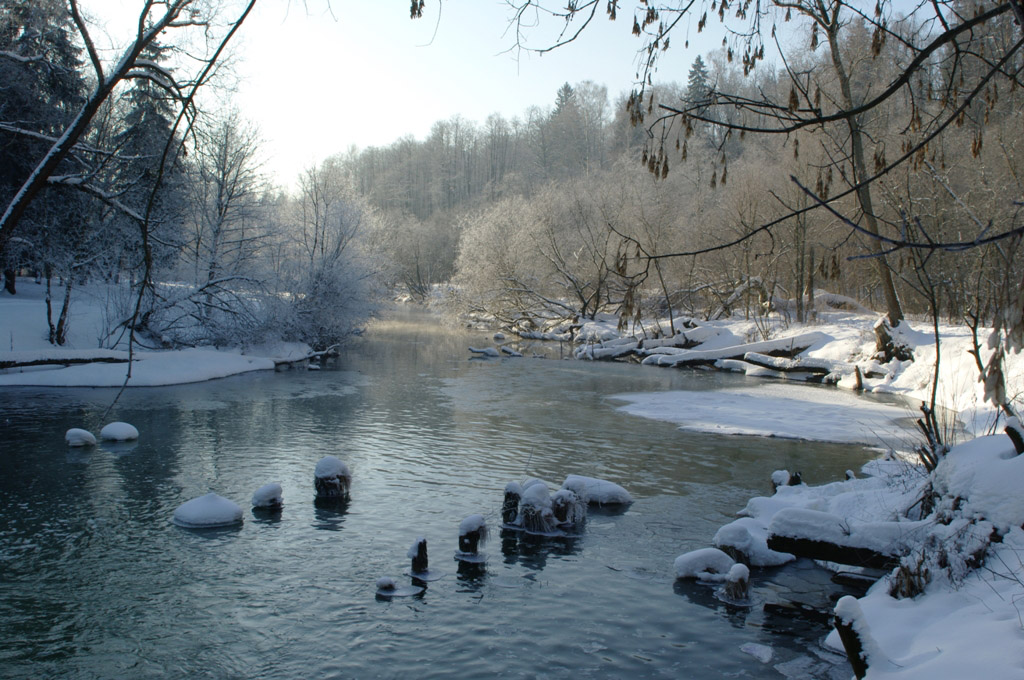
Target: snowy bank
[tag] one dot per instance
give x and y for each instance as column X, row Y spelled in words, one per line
column 950, row 607
column 27, row 358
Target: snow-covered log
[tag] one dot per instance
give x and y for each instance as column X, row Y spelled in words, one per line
column 62, row 357
column 824, row 536
column 788, row 347
column 331, row 351
column 485, row 351
column 1015, row 432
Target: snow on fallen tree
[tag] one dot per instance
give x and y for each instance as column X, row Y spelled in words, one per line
column 824, row 536
column 789, row 347
column 61, row 357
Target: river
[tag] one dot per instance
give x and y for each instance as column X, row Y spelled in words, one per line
column 96, row 582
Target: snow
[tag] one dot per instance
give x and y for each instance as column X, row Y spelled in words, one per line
column 706, row 564
column 23, row 337
column 79, row 437
column 750, row 537
column 471, row 524
column 792, row 411
column 207, row 511
column 331, row 466
column 598, row 491
column 119, row 432
column 414, row 549
column 268, row 496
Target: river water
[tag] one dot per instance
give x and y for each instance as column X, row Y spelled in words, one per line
column 96, row 582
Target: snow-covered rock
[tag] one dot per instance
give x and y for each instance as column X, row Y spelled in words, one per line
column 268, row 496
column 706, row 564
column 207, row 512
column 79, row 437
column 332, row 478
column 599, row 491
column 119, row 432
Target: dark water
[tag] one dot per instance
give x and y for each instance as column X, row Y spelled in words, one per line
column 95, row 581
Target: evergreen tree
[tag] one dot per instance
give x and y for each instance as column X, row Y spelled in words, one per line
column 41, row 89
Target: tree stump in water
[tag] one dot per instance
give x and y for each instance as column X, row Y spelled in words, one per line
column 510, row 506
column 419, row 557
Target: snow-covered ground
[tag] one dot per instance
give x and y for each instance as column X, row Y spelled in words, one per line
column 23, row 338
column 967, row 622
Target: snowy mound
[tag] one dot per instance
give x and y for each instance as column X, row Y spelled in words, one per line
column 749, row 537
column 597, row 491
column 119, row 432
column 207, row 511
column 79, row 437
column 707, row 564
column 268, row 496
column 331, row 466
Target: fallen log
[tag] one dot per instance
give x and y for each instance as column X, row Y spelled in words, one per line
column 30, row 359
column 785, row 347
column 824, row 536
column 820, row 367
column 830, row 552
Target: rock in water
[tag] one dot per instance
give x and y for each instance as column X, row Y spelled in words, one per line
column 208, row 511
column 78, row 437
column 119, row 432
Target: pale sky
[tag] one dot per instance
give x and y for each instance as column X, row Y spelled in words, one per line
column 362, row 73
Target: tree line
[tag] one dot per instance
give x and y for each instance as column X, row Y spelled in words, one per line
column 872, row 163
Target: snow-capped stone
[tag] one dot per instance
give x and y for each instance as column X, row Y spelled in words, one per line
column 79, row 437
column 207, row 511
column 599, row 491
column 119, row 432
column 268, row 496
column 706, row 564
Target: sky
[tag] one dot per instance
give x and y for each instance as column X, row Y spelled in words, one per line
column 321, row 76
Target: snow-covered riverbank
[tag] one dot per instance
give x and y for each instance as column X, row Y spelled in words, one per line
column 23, row 340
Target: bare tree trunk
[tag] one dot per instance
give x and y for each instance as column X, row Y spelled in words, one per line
column 892, row 303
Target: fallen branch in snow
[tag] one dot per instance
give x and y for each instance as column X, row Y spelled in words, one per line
column 329, row 352
column 66, row 360
column 820, row 367
column 788, row 347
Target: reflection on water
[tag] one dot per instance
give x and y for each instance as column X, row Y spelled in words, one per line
column 95, row 581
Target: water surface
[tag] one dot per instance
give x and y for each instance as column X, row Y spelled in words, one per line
column 95, row 581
